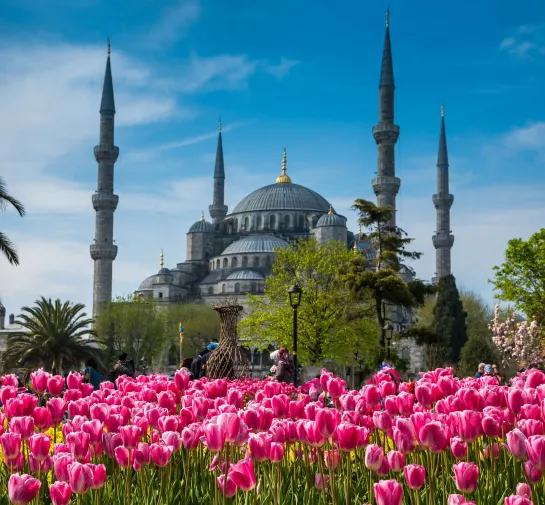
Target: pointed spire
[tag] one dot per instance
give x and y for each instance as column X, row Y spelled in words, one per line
column 219, row 170
column 442, row 157
column 284, row 178
column 330, row 210
column 202, row 215
column 161, row 259
column 387, row 70
column 107, row 106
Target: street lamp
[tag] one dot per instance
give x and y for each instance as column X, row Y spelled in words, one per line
column 389, row 328
column 295, row 293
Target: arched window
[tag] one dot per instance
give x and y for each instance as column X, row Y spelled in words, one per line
column 406, row 354
column 236, row 225
column 273, row 222
column 256, row 261
column 225, row 262
column 210, row 290
column 217, row 263
column 254, row 287
column 258, row 222
column 246, row 224
column 301, row 222
column 269, row 261
column 286, row 222
column 244, row 261
column 237, row 287
column 223, row 288
column 234, row 262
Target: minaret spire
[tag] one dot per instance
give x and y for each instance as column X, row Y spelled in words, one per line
column 386, row 184
column 443, row 240
column 218, row 209
column 103, row 251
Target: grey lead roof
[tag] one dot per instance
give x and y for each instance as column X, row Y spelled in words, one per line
column 201, row 227
column 255, row 244
column 331, row 220
column 107, row 104
column 282, row 197
column 245, row 275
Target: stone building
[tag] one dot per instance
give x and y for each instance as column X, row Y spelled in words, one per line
column 232, row 254
column 7, row 327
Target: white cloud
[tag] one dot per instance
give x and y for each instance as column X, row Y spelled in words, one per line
column 174, row 22
column 526, row 41
column 281, row 70
column 531, row 136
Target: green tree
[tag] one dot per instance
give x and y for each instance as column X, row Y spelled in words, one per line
column 521, row 278
column 201, row 323
column 376, row 283
column 6, row 245
column 323, row 329
column 133, row 325
column 55, row 335
column 449, row 318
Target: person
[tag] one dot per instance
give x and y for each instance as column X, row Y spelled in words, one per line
column 480, row 370
column 284, row 369
column 91, row 374
column 186, row 365
column 488, row 371
column 496, row 372
column 198, row 365
column 123, row 366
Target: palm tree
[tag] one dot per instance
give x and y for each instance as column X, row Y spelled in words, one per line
column 6, row 246
column 55, row 335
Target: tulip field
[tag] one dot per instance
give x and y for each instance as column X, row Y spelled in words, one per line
column 150, row 440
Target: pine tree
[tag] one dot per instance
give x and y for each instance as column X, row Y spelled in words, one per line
column 449, row 318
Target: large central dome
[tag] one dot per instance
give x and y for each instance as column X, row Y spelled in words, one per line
column 283, row 197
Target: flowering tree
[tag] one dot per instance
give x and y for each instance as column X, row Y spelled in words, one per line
column 520, row 341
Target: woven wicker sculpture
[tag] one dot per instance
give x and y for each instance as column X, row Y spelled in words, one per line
column 229, row 360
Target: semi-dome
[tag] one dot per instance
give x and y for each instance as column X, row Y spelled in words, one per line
column 282, row 197
column 245, row 275
column 255, row 244
column 331, row 219
column 147, row 283
column 201, row 226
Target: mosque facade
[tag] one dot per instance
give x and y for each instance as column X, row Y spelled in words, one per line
column 232, row 253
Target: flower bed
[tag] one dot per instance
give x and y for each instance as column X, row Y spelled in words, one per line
column 155, row 441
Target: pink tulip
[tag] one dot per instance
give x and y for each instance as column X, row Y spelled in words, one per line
column 373, row 457
column 55, row 385
column 433, row 436
column 130, row 436
column 230, row 424
column 535, row 446
column 382, row 420
column 491, row 427
column 60, row 493
column 10, row 380
column 39, row 381
column 160, row 454
column 456, row 499
column 458, row 448
column 56, row 407
column 214, row 436
column 42, row 418
column 388, row 492
column 40, row 466
column 172, row 439
column 227, row 486
column 326, row 421
column 469, row 425
column 78, row 443
column 40, row 446
column 533, row 474
column 24, row 426
column 516, row 441
column 260, row 446
column 243, row 475
column 524, row 490
column 515, row 399
column 122, row 456
column 384, row 468
column 277, row 452
column 466, row 476
column 347, row 436
column 320, row 482
column 80, row 477
column 74, row 380
column 517, row 500
column 415, row 476
column 191, row 437
column 424, row 395
column 22, row 489
column 11, row 445
column 61, row 463
column 313, row 434
column 396, row 461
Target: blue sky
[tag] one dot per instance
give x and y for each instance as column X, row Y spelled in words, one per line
column 280, row 74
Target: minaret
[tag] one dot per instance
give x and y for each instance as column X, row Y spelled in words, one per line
column 103, row 251
column 218, row 209
column 386, row 184
column 443, row 239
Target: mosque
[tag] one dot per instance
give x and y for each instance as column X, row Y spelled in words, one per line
column 232, row 254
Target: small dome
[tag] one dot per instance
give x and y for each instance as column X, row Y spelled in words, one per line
column 147, row 283
column 331, row 219
column 255, row 244
column 245, row 275
column 201, row 226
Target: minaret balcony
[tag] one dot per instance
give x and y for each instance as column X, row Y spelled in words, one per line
column 441, row 240
column 103, row 251
column 386, row 185
column 106, row 153
column 386, row 132
column 105, row 201
column 443, row 201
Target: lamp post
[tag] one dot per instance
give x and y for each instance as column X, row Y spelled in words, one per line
column 389, row 328
column 295, row 293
